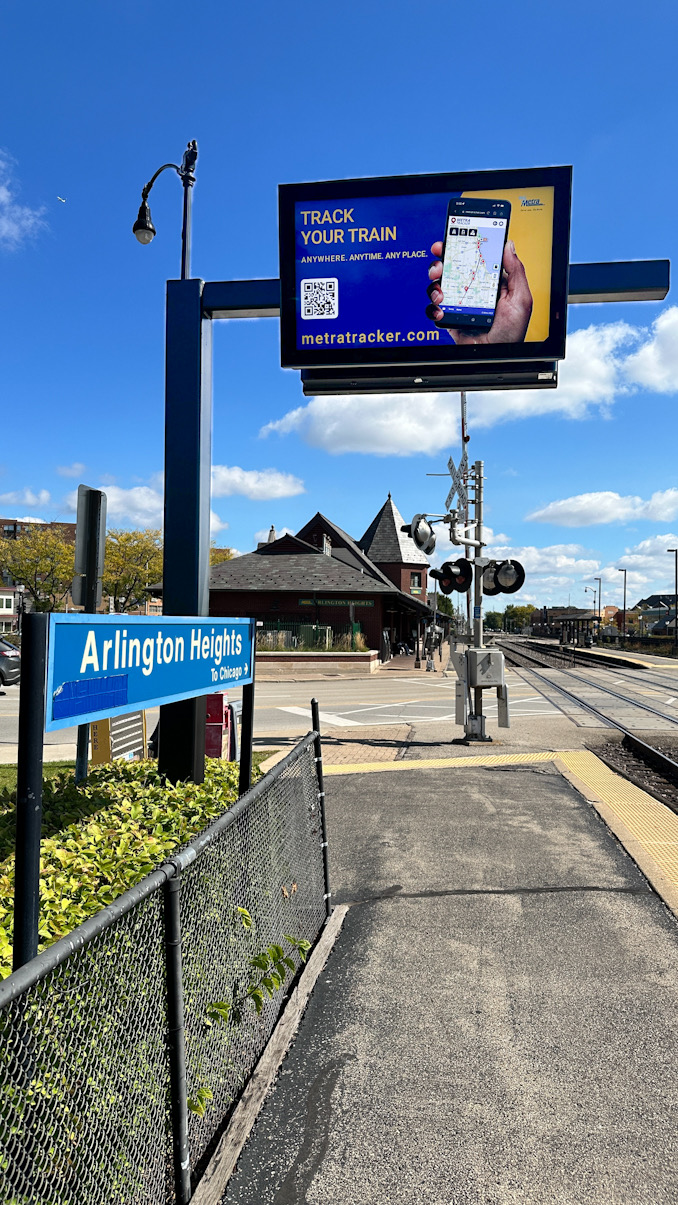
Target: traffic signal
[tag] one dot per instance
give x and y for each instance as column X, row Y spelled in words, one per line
column 422, row 533
column 506, row 577
column 454, row 577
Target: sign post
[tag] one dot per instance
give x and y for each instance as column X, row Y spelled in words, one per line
column 90, row 549
column 29, row 787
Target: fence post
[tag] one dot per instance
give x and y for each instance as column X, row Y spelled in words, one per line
column 176, row 1042
column 315, row 720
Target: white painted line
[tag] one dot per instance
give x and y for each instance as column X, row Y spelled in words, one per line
column 336, row 721
column 671, row 700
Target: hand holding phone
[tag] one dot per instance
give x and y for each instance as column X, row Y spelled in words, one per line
column 514, row 304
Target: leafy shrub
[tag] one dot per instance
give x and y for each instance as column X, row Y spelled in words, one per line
column 102, row 837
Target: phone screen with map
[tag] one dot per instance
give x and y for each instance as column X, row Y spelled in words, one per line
column 475, row 237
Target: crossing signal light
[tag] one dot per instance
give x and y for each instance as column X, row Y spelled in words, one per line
column 457, row 576
column 506, row 577
column 422, row 533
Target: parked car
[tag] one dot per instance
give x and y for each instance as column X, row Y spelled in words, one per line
column 10, row 663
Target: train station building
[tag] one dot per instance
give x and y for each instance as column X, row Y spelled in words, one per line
column 315, row 584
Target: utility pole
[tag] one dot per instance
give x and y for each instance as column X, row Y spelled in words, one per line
column 475, row 725
column 624, row 611
column 675, row 600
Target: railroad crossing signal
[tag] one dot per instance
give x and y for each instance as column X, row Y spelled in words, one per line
column 504, row 578
column 454, row 577
column 422, row 533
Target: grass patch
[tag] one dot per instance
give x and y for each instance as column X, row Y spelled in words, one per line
column 102, row 837
column 50, row 770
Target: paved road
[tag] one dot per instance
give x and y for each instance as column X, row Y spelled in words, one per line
column 385, row 699
column 283, row 709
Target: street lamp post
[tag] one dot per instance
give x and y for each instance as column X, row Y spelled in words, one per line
column 144, row 230
column 600, row 605
column 188, row 455
column 624, row 611
column 592, row 590
column 675, row 600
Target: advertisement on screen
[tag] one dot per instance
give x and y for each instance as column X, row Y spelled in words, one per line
column 416, row 269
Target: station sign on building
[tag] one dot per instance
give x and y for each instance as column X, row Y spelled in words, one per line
column 355, row 258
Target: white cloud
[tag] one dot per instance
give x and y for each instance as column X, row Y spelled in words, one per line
column 25, row 497
column 71, row 470
column 18, row 223
column 382, row 424
column 216, row 524
column 257, row 484
column 141, row 505
column 560, row 559
column 28, row 519
column 606, row 506
column 655, row 365
column 604, row 362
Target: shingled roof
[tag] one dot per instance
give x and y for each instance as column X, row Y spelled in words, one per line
column 384, row 542
column 301, row 572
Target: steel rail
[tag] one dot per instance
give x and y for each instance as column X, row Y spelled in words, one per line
column 659, row 761
column 597, row 686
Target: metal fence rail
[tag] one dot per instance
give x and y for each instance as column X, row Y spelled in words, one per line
column 105, row 1035
column 287, row 635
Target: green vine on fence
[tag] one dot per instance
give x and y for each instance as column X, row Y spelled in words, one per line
column 268, row 972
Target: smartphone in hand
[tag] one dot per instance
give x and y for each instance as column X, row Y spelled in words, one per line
column 473, row 250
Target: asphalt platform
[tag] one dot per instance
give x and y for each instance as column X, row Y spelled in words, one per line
column 497, row 1020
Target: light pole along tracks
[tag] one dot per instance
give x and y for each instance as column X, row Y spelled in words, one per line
column 651, row 757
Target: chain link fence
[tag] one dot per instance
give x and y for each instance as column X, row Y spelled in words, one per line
column 117, row 1074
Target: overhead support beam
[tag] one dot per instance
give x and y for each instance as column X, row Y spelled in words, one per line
column 625, row 280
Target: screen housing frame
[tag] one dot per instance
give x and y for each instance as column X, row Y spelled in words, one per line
column 552, row 348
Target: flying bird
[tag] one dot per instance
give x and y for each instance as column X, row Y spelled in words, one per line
column 62, row 199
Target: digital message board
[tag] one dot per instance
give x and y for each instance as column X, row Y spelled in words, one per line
column 465, row 267
column 107, row 665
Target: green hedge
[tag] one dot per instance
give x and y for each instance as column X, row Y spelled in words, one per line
column 103, row 836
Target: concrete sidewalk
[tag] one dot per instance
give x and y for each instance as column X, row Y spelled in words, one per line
column 496, row 1023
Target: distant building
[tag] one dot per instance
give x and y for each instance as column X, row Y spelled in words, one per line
column 11, row 528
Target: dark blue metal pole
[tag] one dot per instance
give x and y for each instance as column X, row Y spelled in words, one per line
column 188, row 459
column 29, row 787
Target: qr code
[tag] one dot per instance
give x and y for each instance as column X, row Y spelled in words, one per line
column 320, row 298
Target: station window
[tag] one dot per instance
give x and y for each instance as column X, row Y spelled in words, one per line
column 415, row 581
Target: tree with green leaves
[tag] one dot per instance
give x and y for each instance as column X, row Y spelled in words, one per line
column 133, row 564
column 493, row 621
column 217, row 555
column 42, row 559
column 517, row 618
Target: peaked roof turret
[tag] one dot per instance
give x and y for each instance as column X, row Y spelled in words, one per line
column 384, row 542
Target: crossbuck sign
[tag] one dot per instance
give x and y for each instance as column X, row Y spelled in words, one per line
column 459, row 476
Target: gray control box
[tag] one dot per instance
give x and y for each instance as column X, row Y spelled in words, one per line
column 485, row 667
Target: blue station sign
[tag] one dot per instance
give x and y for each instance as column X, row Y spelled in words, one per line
column 106, row 665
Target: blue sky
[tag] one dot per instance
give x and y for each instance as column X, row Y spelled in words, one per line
column 96, row 97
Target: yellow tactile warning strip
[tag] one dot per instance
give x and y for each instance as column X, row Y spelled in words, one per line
column 646, row 828
column 440, row 763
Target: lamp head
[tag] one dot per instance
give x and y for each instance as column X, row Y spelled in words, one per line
column 143, row 229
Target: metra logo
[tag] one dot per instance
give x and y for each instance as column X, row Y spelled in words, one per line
column 531, row 203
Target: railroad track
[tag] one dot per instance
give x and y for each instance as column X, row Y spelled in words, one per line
column 649, row 756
